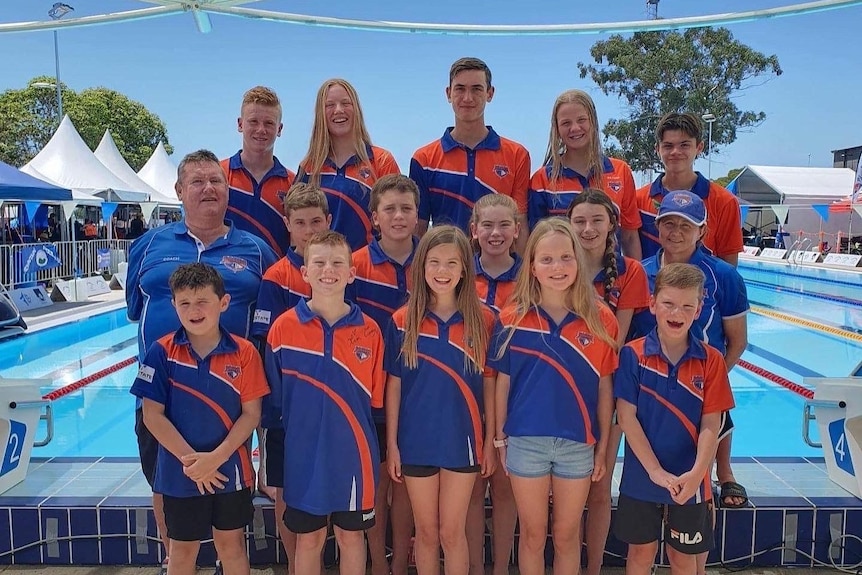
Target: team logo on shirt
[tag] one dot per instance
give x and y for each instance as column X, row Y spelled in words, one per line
column 232, row 371
column 585, row 338
column 365, row 173
column 615, row 185
column 501, row 171
column 697, row 382
column 361, row 353
column 146, row 373
column 234, row 263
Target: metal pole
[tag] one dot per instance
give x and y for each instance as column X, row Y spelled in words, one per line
column 57, row 76
column 709, row 172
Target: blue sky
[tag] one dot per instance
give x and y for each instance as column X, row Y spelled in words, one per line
column 195, row 82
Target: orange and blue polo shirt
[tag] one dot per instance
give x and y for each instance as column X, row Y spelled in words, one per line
column 281, row 288
column 441, row 412
column 554, row 372
column 381, row 285
column 496, row 291
column 348, row 190
column 631, row 287
column 549, row 198
column 325, row 379
column 257, row 207
column 451, row 177
column 203, row 399
column 671, row 401
column 723, row 229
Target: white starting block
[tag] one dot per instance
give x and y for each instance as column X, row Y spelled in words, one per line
column 21, row 406
column 837, row 408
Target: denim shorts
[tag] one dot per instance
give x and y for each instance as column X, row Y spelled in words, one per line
column 535, row 456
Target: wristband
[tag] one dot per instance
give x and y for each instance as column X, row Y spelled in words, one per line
column 501, row 442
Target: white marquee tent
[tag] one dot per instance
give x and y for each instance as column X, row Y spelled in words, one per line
column 796, row 190
column 80, row 197
column 67, row 161
column 160, row 173
column 108, row 153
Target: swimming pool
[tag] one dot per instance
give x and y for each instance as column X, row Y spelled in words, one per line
column 805, row 322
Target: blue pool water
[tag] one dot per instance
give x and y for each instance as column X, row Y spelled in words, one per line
column 826, row 340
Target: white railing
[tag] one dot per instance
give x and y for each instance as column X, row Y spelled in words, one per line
column 77, row 259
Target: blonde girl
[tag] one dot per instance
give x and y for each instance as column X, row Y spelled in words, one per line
column 555, row 351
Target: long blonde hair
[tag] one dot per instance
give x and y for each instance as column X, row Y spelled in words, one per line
column 581, row 296
column 320, row 144
column 475, row 330
column 556, row 147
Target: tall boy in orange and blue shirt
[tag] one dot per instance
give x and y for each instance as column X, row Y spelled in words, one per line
column 671, row 389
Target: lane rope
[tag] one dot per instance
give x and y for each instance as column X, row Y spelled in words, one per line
column 807, row 323
column 84, row 381
column 775, row 378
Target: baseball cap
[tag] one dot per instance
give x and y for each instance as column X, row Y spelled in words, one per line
column 685, row 205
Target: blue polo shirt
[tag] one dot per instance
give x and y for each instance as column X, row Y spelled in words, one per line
column 348, row 190
column 724, row 297
column 554, row 372
column 203, row 399
column 382, row 284
column 670, row 401
column 282, row 288
column 496, row 291
column 257, row 207
column 241, row 259
column 451, row 176
column 325, row 378
column 440, row 418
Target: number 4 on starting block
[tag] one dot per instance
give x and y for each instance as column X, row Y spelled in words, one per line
column 839, row 446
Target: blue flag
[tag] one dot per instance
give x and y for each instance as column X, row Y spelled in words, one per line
column 39, row 257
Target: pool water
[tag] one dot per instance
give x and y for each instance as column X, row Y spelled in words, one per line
column 804, row 323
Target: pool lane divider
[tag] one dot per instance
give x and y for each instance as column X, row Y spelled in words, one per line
column 84, row 381
column 775, row 378
column 807, row 323
column 827, row 297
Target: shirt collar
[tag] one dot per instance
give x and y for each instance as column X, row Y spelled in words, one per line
column 700, row 187
column 456, row 318
column 353, row 317
column 226, row 344
column 378, row 256
column 354, row 159
column 695, row 350
column 507, row 276
column 491, row 141
column 232, row 236
column 621, row 265
column 695, row 258
column 294, row 257
column 569, row 173
column 235, row 163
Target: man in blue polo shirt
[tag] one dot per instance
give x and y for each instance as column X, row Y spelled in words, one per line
column 202, row 236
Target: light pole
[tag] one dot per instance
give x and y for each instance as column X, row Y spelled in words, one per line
column 56, row 12
column 709, row 119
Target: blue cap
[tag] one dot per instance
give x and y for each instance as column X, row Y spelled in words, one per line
column 685, row 205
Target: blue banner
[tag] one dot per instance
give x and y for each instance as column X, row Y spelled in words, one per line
column 39, row 257
column 108, row 209
column 103, row 258
column 743, row 212
column 823, row 210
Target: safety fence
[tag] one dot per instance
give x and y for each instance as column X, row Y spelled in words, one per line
column 46, row 262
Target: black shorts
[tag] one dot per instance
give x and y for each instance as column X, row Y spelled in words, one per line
column 430, row 470
column 298, row 521
column 725, row 428
column 687, row 528
column 192, row 518
column 148, row 447
column 380, row 429
column 273, row 462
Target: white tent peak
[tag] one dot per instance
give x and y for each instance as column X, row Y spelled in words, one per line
column 108, row 153
column 80, row 196
column 798, row 184
column 160, row 172
column 68, row 161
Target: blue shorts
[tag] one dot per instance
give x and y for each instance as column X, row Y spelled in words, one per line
column 539, row 456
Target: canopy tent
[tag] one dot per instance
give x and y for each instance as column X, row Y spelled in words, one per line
column 17, row 185
column 802, row 193
column 160, row 173
column 81, row 197
column 68, row 161
column 108, row 153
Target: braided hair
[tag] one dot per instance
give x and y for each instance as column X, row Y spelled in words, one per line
column 609, row 259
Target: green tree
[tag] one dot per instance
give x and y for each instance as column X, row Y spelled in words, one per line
column 724, row 180
column 28, row 118
column 698, row 70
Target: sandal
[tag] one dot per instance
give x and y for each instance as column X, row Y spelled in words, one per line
column 733, row 489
